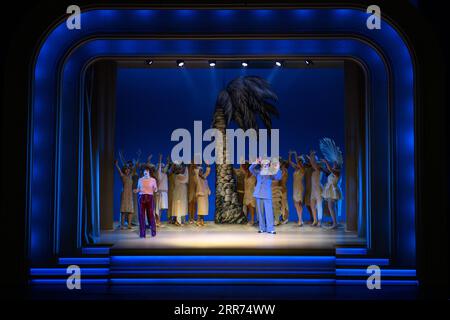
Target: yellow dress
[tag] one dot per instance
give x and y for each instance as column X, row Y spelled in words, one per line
column 298, row 187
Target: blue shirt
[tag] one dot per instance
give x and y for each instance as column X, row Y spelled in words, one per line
column 263, row 188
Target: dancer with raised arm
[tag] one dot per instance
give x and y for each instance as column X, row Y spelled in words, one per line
column 180, row 194
column 126, row 197
column 192, row 172
column 202, row 194
column 162, row 201
column 298, row 185
column 265, row 173
column 334, row 161
column 249, row 201
column 146, row 188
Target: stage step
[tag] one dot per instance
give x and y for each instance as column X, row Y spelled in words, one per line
column 307, row 267
column 96, row 251
column 101, row 266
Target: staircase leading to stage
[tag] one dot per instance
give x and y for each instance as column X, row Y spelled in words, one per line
column 100, row 265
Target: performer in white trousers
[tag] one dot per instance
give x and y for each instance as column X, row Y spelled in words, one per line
column 265, row 174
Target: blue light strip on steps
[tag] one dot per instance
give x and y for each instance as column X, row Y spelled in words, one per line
column 83, row 260
column 225, row 281
column 351, row 251
column 384, row 272
column 358, row 282
column 361, row 262
column 63, row 271
column 95, row 250
column 64, row 281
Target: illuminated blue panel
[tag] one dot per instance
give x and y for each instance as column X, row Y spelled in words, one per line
column 63, row 271
column 351, row 251
column 384, row 272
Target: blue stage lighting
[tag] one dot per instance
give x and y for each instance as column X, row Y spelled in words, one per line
column 245, row 64
column 278, row 63
column 212, row 63
column 180, row 63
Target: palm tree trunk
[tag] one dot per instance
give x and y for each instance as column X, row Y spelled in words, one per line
column 228, row 208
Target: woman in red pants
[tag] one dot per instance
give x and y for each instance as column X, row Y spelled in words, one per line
column 145, row 188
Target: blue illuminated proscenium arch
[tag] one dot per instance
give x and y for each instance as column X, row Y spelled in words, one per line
column 54, row 119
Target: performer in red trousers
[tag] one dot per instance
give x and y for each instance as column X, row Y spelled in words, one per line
column 145, row 188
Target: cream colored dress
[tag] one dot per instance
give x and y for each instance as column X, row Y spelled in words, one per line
column 180, row 195
column 298, row 187
column 249, row 189
column 316, row 186
column 332, row 190
column 203, row 193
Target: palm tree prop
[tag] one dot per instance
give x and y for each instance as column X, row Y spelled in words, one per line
column 243, row 101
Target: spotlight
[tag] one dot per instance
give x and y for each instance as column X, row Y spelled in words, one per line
column 245, row 64
column 180, row 63
column 148, row 62
column 278, row 63
column 308, row 62
column 212, row 63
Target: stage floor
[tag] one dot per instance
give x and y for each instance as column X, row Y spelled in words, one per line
column 230, row 239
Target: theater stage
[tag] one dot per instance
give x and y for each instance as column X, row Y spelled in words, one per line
column 230, row 239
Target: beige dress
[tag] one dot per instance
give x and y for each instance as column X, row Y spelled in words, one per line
column 180, row 195
column 126, row 198
column 308, row 174
column 316, row 186
column 298, row 187
column 192, row 182
column 203, row 193
column 249, row 188
column 332, row 190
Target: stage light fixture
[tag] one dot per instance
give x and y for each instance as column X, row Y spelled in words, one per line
column 244, row 64
column 212, row 63
column 308, row 62
column 180, row 63
column 278, row 63
column 148, row 62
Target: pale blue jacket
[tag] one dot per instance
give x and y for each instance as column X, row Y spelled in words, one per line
column 263, row 188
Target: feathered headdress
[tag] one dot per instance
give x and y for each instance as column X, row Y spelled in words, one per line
column 331, row 151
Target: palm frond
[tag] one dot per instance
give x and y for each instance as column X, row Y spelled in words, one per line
column 250, row 97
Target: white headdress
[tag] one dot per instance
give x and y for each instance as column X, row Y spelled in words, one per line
column 331, row 151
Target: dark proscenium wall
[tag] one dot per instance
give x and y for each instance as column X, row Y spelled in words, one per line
column 152, row 102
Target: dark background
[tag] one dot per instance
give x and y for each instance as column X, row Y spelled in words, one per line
column 425, row 23
column 152, row 102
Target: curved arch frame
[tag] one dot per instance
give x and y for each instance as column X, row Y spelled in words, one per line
column 337, row 22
